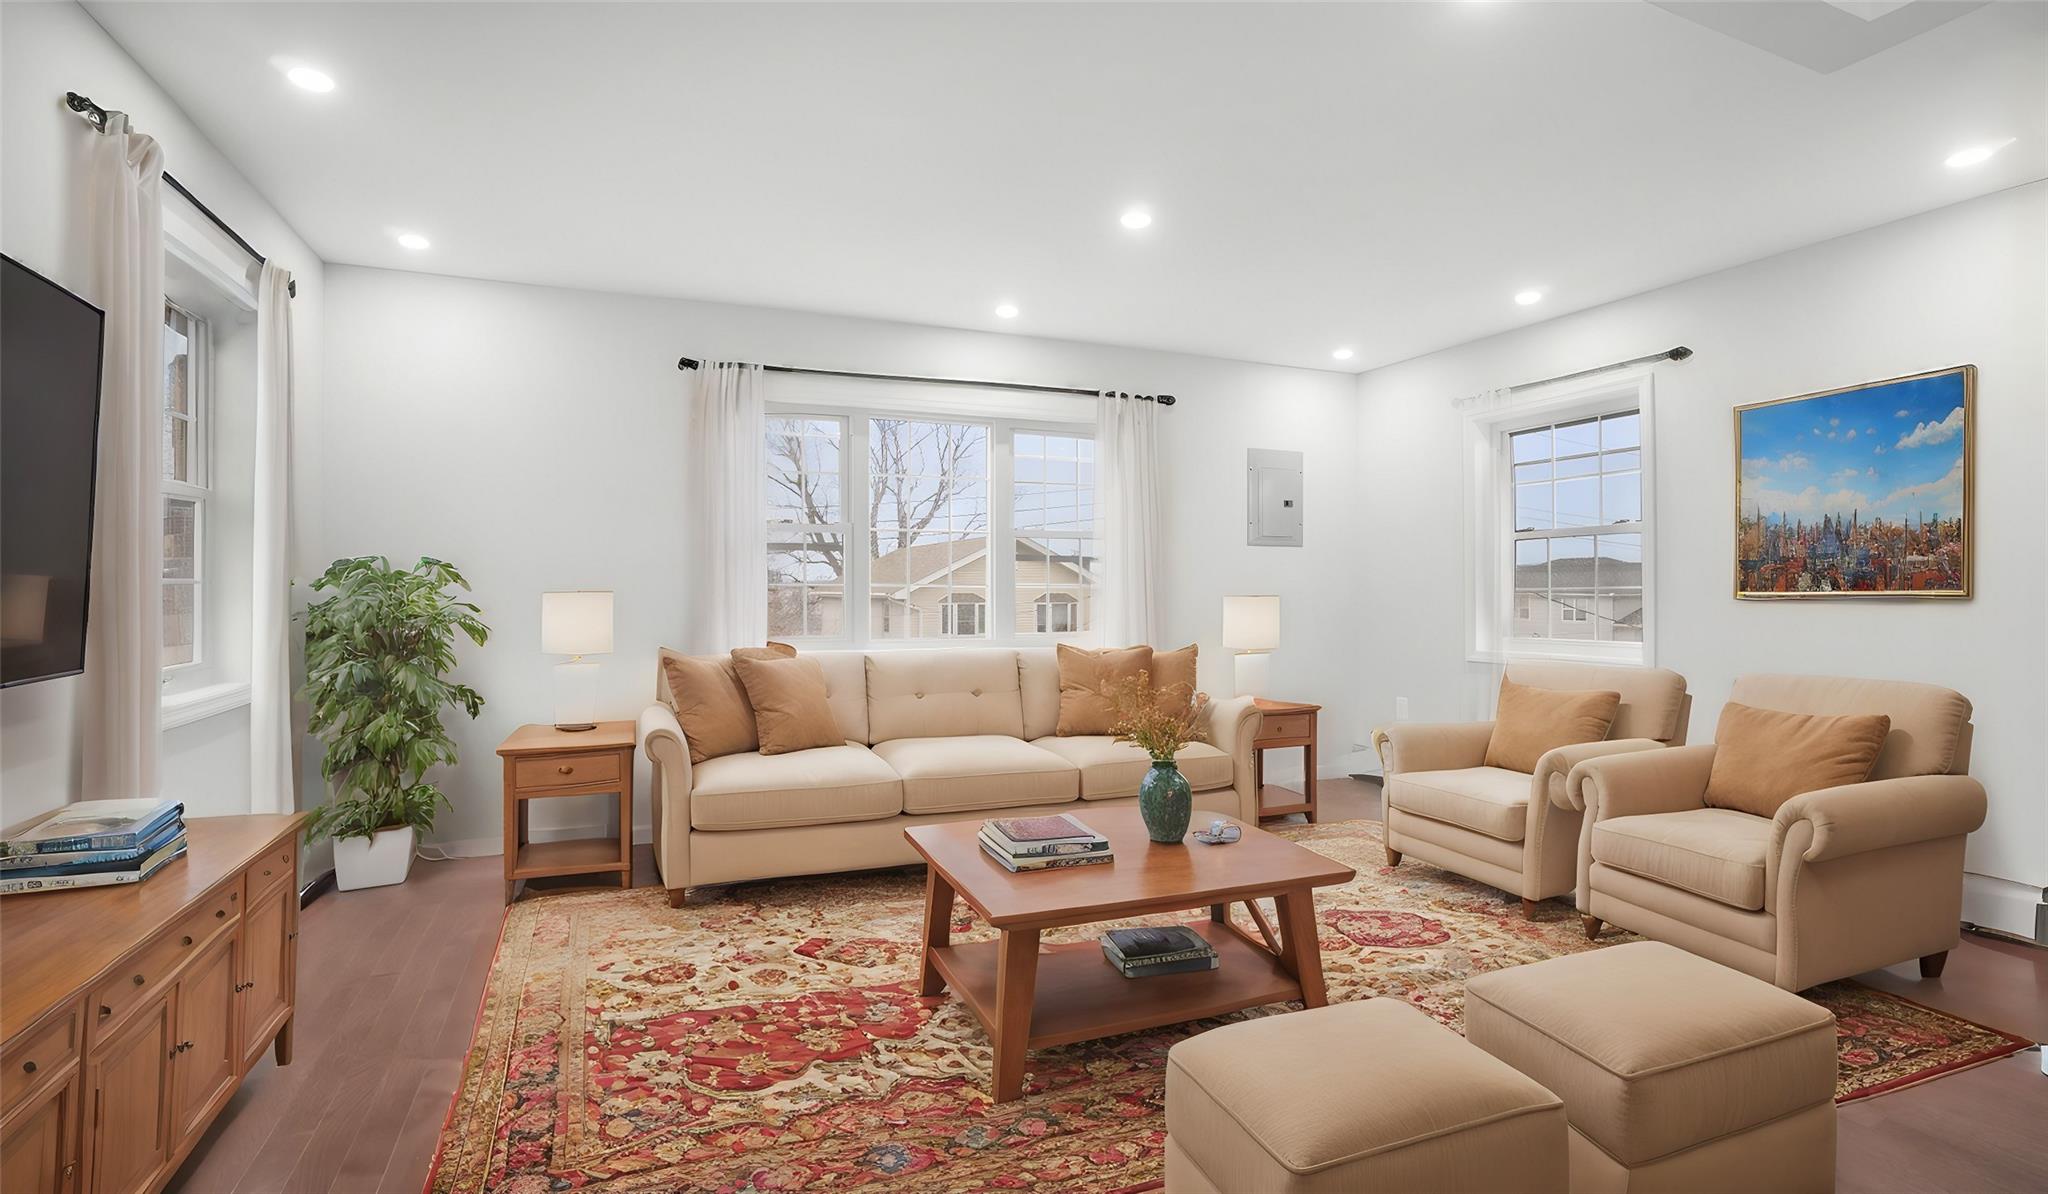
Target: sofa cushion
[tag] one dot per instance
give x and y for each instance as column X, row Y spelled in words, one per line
column 942, row 693
column 1531, row 722
column 1926, row 735
column 1110, row 768
column 1086, row 681
column 808, row 787
column 976, row 771
column 710, row 703
column 1655, row 1050
column 1765, row 757
column 1713, row 852
column 1173, row 677
column 1038, row 684
column 1367, row 1095
column 790, row 709
column 1489, row 800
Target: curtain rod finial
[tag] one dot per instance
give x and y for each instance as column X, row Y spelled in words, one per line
column 686, row 363
column 1680, row 353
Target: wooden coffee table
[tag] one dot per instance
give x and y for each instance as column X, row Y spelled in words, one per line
column 1033, row 997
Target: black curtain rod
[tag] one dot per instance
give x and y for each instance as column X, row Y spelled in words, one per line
column 688, row 363
column 1670, row 354
column 97, row 117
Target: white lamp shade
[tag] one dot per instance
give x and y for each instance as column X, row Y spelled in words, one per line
column 576, row 623
column 1251, row 623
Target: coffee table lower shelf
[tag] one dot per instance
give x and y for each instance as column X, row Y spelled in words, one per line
column 1079, row 996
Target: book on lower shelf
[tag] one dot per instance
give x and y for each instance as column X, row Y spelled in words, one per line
column 1158, row 949
column 1042, row 843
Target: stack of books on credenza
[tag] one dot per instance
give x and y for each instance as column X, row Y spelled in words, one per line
column 1042, row 843
column 93, row 843
column 1144, row 952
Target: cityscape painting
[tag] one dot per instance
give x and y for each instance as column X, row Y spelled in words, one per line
column 1858, row 492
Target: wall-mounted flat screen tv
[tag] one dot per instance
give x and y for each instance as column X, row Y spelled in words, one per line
column 50, row 342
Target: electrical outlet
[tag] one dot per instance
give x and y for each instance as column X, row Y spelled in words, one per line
column 1400, row 708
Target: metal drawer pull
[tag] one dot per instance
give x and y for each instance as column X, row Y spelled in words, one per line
column 138, row 980
column 28, row 1067
column 184, row 941
column 565, row 769
column 220, row 914
column 105, row 1011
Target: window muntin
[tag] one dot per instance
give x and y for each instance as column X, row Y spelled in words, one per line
column 184, row 477
column 1577, row 529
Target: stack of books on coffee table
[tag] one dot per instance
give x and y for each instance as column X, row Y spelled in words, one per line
column 1144, row 952
column 1042, row 843
column 92, row 843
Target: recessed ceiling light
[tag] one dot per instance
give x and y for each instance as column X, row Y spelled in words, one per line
column 1135, row 219
column 412, row 240
column 1529, row 298
column 1976, row 155
column 310, row 78
column 1006, row 311
column 1342, row 354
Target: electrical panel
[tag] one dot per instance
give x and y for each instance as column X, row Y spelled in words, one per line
column 1273, row 498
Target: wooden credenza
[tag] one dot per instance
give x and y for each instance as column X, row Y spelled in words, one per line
column 128, row 1015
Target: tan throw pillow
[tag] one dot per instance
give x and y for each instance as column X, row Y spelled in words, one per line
column 710, row 703
column 1085, row 680
column 1764, row 757
column 1532, row 722
column 788, row 696
column 1173, row 678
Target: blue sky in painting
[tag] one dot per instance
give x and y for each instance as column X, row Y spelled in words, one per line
column 1890, row 451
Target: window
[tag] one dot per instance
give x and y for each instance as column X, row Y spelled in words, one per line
column 185, row 429
column 915, row 493
column 1560, row 524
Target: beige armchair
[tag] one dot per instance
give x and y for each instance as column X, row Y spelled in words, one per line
column 1446, row 807
column 1839, row 881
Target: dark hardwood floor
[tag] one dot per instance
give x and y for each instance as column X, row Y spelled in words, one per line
column 389, row 981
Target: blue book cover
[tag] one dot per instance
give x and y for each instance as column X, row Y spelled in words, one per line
column 157, row 861
column 87, row 862
column 92, row 825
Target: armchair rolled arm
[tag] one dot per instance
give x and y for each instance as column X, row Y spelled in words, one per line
column 1561, row 761
column 1669, row 780
column 1432, row 746
column 1858, row 818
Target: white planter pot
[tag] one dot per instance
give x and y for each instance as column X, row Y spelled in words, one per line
column 377, row 861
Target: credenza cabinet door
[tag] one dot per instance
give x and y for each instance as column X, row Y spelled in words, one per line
column 207, row 1055
column 266, row 967
column 129, row 1075
column 38, row 1146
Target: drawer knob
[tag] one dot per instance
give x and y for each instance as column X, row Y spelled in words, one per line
column 184, row 941
column 564, row 769
column 28, row 1067
column 137, row 980
column 105, row 1011
column 220, row 914
column 266, row 872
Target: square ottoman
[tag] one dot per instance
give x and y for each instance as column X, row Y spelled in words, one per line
column 1677, row 1073
column 1354, row 1097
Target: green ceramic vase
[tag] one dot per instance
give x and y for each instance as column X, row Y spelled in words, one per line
column 1165, row 801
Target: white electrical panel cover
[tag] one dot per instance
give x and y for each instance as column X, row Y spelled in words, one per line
column 1273, row 498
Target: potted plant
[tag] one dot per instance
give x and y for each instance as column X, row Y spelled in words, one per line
column 1160, row 722
column 378, row 649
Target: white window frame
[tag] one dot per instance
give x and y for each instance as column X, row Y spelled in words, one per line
column 199, row 448
column 1489, row 591
column 999, row 612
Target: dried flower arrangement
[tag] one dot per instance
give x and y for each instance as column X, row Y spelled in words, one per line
column 1158, row 722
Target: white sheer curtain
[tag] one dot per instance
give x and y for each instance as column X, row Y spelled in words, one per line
column 1127, row 513
column 728, row 555
column 271, row 788
column 122, row 712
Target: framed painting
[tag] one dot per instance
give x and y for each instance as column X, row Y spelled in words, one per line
column 1865, row 491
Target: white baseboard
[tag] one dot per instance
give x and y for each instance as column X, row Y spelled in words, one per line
column 494, row 847
column 2002, row 904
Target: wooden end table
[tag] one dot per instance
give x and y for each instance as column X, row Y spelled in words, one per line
column 1286, row 724
column 1033, row 997
column 542, row 761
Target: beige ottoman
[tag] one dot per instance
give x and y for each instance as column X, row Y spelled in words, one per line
column 1355, row 1097
column 1677, row 1073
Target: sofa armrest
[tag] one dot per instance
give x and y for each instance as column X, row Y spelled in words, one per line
column 662, row 741
column 1560, row 762
column 1232, row 725
column 1858, row 818
column 1670, row 780
column 1432, row 746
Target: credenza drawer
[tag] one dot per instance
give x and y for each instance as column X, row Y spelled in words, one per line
column 274, row 868
column 38, row 1055
column 563, row 771
column 157, row 962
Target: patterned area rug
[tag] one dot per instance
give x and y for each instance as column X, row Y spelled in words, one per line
column 772, row 1038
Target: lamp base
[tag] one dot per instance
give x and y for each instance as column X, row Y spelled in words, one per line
column 575, row 696
column 1250, row 671
column 576, row 729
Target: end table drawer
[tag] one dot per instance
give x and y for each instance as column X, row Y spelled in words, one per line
column 562, row 771
column 1287, row 725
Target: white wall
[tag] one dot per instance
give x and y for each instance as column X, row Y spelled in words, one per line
column 1966, row 284
column 534, row 436
column 46, row 50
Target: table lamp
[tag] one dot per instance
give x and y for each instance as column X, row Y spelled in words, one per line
column 1251, row 627
column 576, row 624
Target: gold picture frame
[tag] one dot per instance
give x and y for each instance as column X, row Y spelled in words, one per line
column 1905, row 445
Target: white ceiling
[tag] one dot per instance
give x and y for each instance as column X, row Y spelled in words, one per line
column 1378, row 176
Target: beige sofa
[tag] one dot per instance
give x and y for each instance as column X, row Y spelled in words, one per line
column 1501, row 827
column 931, row 735
column 1839, row 881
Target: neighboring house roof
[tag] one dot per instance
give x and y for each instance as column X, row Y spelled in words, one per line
column 1576, row 572
column 927, row 562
